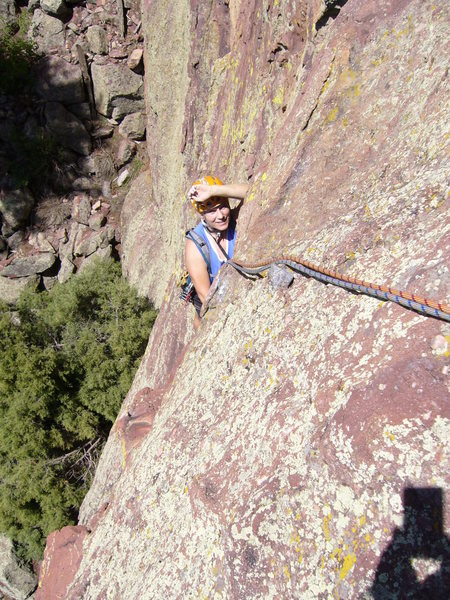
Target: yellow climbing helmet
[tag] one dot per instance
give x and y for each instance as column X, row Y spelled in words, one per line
column 202, row 207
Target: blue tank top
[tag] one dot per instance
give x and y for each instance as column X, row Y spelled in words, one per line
column 215, row 261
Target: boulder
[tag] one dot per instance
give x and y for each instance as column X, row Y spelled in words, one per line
column 29, row 265
column 123, row 177
column 118, row 51
column 104, row 131
column 125, row 152
column 66, row 244
column 135, row 59
column 56, row 8
column 59, row 81
column 133, row 126
column 97, row 40
column 67, row 129
column 96, row 221
column 43, row 243
column 126, row 106
column 105, row 209
column 115, row 86
column 16, row 206
column 87, row 242
column 16, row 582
column 10, row 290
column 49, row 282
column 15, row 240
column 81, row 209
column 46, row 31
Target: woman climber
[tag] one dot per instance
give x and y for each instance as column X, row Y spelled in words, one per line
column 211, row 243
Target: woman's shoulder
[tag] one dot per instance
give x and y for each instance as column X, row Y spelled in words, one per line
column 195, row 233
column 199, row 230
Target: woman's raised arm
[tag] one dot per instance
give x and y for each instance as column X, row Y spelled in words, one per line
column 202, row 192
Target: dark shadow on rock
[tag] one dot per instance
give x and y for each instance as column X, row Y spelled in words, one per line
column 332, row 9
column 421, row 537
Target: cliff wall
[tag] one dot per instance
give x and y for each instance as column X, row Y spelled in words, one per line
column 295, row 447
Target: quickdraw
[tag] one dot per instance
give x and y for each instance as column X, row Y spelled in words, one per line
column 405, row 298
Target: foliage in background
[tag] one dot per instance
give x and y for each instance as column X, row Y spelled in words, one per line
column 67, row 360
column 17, row 54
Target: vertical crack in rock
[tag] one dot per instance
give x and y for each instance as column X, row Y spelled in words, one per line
column 323, row 88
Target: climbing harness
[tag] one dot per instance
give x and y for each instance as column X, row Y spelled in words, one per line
column 405, row 298
column 188, row 293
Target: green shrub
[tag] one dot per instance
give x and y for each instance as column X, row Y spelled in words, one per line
column 67, row 360
column 17, row 55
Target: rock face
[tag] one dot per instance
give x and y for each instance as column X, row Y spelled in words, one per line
column 16, row 582
column 295, row 447
column 28, row 265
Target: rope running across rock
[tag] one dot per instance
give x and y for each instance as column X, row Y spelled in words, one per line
column 405, row 298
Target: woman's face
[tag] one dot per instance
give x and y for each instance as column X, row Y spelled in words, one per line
column 218, row 216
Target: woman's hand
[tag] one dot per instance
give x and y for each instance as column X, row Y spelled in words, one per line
column 201, row 192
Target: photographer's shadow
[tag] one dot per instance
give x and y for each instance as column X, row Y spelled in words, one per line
column 422, row 537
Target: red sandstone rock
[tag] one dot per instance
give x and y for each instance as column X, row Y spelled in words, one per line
column 62, row 558
column 137, row 422
column 296, row 426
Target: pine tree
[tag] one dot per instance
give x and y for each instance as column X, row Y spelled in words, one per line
column 67, row 360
